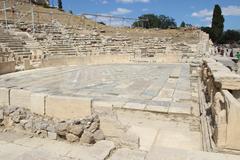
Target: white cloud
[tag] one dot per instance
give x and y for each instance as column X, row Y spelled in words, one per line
column 205, row 15
column 231, row 11
column 133, row 1
column 227, row 11
column 121, row 11
column 202, row 13
column 207, row 19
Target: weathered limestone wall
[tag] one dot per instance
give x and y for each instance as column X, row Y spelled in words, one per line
column 220, row 83
column 54, row 106
column 7, row 67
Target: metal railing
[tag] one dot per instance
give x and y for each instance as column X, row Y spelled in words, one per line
column 109, row 19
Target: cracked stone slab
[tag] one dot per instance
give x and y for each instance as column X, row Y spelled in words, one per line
column 182, row 95
column 180, row 108
column 41, row 155
column 128, row 154
column 166, row 93
column 7, row 150
column 98, row 151
column 102, row 149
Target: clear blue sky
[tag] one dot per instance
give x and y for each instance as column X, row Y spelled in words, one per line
column 196, row 12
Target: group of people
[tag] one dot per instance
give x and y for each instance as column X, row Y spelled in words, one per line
column 225, row 51
column 229, row 52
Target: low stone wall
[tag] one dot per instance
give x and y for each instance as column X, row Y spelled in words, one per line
column 219, row 84
column 78, row 130
column 87, row 60
column 7, row 67
column 109, row 59
column 61, row 107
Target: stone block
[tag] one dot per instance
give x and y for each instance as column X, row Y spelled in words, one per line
column 166, row 93
column 233, row 132
column 102, row 149
column 182, row 95
column 145, row 134
column 156, row 108
column 102, row 103
column 180, row 108
column 52, row 135
column 68, row 107
column 134, row 106
column 4, row 96
column 38, row 103
column 20, row 98
column 130, row 139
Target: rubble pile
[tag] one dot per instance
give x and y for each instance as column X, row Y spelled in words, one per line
column 80, row 130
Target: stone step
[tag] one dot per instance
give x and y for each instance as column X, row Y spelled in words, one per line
column 8, row 41
column 23, row 53
column 62, row 49
column 17, row 48
column 63, row 53
column 161, row 153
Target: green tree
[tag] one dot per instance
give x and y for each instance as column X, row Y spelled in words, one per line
column 183, row 24
column 154, row 21
column 230, row 36
column 207, row 30
column 60, row 7
column 70, row 11
column 217, row 24
column 147, row 21
column 188, row 25
column 166, row 22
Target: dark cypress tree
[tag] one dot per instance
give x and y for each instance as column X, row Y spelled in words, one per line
column 217, row 24
column 60, row 7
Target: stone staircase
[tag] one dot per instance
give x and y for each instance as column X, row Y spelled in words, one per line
column 15, row 46
column 56, row 41
column 59, row 40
